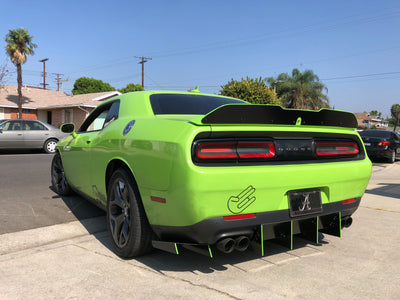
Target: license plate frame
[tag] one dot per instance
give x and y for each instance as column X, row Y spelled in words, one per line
column 305, row 202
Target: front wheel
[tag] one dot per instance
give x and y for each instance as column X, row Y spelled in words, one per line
column 127, row 223
column 50, row 146
column 58, row 180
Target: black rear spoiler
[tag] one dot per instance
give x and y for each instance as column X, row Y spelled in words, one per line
column 273, row 114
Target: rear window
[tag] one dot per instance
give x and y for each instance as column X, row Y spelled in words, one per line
column 183, row 104
column 376, row 133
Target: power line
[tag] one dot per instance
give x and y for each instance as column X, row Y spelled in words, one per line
column 360, row 76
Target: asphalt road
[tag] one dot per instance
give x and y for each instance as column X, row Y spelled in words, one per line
column 26, row 198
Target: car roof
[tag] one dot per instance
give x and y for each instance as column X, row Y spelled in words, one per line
column 376, row 133
column 138, row 103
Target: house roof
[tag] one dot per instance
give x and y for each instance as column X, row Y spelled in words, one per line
column 366, row 116
column 38, row 98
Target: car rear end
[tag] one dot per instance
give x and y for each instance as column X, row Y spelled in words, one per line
column 378, row 144
column 246, row 178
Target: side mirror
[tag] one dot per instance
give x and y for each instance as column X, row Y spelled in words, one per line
column 68, row 128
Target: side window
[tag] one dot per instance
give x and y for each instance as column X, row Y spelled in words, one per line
column 12, row 125
column 98, row 122
column 100, row 117
column 33, row 125
column 112, row 114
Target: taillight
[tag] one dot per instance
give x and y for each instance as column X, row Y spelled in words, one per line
column 216, row 150
column 256, row 149
column 336, row 148
column 235, row 150
column 383, row 143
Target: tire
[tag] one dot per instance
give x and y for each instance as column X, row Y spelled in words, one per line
column 392, row 157
column 58, row 180
column 49, row 146
column 127, row 223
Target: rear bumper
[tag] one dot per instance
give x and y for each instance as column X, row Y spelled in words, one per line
column 380, row 153
column 211, row 230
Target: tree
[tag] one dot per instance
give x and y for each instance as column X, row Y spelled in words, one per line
column 19, row 44
column 131, row 87
column 395, row 111
column 375, row 113
column 250, row 90
column 300, row 90
column 86, row 85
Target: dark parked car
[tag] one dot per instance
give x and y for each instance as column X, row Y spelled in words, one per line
column 29, row 134
column 382, row 144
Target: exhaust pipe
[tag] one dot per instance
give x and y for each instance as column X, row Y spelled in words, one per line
column 226, row 245
column 347, row 222
column 242, row 243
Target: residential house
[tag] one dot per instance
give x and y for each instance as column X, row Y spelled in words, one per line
column 365, row 121
column 49, row 106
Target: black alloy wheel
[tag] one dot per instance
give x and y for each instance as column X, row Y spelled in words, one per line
column 58, row 180
column 127, row 223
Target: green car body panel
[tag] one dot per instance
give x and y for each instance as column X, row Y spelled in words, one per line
column 178, row 192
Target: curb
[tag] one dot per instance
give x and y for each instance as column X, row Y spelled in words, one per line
column 22, row 240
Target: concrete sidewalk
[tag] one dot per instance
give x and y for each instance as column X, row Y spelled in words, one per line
column 75, row 261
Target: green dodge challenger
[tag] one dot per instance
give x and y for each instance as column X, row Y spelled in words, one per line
column 184, row 170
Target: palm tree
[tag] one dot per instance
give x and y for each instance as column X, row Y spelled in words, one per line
column 19, row 44
column 301, row 90
column 395, row 111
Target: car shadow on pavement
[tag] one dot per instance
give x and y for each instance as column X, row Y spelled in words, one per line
column 81, row 208
column 386, row 190
column 188, row 261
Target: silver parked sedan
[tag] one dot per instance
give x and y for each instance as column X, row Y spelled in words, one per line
column 29, row 134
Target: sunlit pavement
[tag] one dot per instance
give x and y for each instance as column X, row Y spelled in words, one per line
column 75, row 260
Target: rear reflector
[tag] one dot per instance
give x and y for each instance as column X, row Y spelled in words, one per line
column 348, row 201
column 235, row 150
column 383, row 143
column 239, row 217
column 336, row 148
column 158, row 199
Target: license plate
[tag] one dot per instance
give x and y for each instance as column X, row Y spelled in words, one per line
column 367, row 144
column 305, row 202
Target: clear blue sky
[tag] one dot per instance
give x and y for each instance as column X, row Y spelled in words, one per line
column 353, row 46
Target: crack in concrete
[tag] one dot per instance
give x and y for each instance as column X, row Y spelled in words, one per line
column 159, row 272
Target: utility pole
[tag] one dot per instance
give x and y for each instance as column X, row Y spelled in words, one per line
column 62, row 84
column 142, row 61
column 58, row 80
column 44, row 72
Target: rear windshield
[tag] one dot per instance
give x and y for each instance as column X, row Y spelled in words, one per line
column 376, row 133
column 183, row 104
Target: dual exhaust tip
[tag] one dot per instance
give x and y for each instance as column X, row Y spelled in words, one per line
column 227, row 245
column 346, row 222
